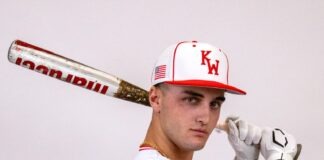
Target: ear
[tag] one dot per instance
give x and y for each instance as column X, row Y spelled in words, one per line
column 155, row 99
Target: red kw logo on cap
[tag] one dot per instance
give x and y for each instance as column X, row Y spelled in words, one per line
column 212, row 67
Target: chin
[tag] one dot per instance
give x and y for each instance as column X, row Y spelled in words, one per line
column 199, row 147
column 195, row 146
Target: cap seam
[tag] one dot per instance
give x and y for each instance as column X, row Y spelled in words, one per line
column 174, row 54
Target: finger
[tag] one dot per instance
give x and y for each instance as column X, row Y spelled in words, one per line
column 257, row 136
column 266, row 135
column 243, row 129
column 291, row 141
column 233, row 131
column 251, row 133
column 232, row 117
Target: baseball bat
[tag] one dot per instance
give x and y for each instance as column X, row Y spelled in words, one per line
column 65, row 69
column 56, row 66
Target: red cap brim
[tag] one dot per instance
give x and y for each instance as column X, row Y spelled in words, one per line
column 208, row 84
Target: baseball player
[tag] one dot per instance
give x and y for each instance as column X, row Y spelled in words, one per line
column 189, row 82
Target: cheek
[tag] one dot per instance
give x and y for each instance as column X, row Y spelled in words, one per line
column 214, row 117
column 172, row 126
column 175, row 120
column 176, row 116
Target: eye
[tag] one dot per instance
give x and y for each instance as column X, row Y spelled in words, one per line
column 191, row 100
column 215, row 105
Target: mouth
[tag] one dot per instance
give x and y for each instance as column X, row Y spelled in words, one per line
column 199, row 132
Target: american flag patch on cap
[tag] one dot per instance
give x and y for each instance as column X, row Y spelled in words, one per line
column 160, row 72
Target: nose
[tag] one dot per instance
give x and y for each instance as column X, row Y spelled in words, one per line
column 203, row 114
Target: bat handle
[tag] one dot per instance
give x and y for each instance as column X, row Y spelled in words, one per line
column 222, row 126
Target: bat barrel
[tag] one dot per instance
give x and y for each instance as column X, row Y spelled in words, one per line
column 70, row 71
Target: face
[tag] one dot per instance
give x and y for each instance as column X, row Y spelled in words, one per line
column 188, row 115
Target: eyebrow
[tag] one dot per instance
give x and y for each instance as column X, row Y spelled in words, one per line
column 193, row 93
column 221, row 98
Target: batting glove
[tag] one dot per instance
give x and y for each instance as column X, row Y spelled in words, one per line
column 278, row 144
column 244, row 138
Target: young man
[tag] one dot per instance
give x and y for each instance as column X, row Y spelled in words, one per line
column 189, row 82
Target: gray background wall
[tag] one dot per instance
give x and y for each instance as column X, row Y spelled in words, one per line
column 275, row 50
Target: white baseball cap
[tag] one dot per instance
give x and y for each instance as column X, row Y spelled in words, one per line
column 193, row 63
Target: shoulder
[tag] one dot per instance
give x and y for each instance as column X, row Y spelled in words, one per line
column 149, row 154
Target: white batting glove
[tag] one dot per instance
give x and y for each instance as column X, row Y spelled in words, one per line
column 278, row 144
column 244, row 139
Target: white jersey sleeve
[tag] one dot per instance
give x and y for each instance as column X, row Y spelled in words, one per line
column 147, row 153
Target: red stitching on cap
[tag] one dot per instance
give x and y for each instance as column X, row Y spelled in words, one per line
column 174, row 54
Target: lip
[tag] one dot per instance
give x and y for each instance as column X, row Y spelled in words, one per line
column 199, row 132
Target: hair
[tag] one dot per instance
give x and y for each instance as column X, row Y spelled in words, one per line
column 162, row 86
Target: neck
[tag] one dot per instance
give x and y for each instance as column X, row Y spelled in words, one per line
column 158, row 140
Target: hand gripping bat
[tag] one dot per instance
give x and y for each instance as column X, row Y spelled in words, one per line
column 73, row 72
